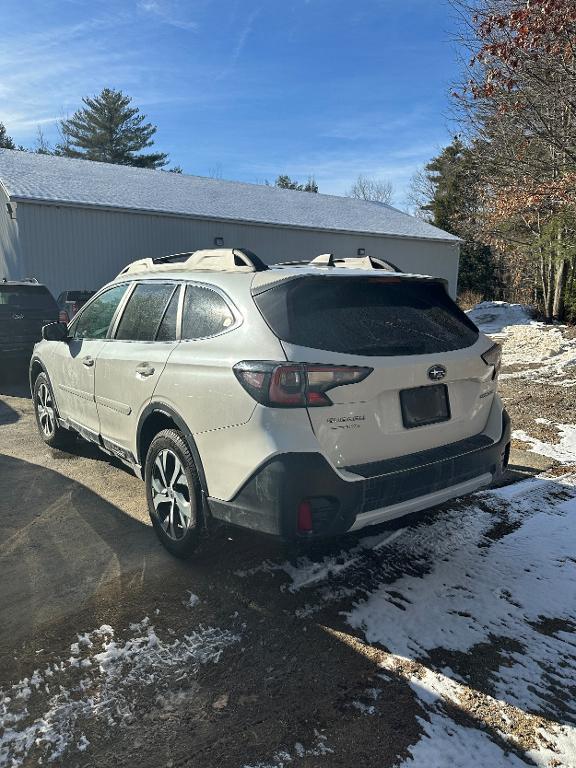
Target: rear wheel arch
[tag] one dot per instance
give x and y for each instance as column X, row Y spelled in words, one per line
column 157, row 417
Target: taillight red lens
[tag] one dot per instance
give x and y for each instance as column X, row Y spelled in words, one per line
column 295, row 385
column 493, row 356
column 63, row 316
column 304, row 517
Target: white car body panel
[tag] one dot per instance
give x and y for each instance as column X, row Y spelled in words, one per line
column 73, row 381
column 235, row 435
column 122, row 387
column 365, row 422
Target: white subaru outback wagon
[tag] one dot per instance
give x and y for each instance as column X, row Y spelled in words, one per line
column 300, row 400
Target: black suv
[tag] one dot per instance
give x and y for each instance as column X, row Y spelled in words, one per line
column 69, row 302
column 25, row 306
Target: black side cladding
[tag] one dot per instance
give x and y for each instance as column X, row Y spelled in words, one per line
column 269, row 501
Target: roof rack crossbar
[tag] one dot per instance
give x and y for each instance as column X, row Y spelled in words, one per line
column 224, row 259
column 173, row 258
column 356, row 262
column 323, row 260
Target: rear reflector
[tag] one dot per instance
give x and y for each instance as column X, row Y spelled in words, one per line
column 304, row 517
column 295, row 385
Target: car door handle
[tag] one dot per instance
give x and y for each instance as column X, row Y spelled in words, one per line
column 144, row 370
column 88, row 361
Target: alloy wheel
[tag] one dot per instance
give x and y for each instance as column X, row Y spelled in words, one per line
column 171, row 494
column 45, row 406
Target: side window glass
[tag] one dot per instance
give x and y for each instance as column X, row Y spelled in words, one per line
column 95, row 320
column 205, row 313
column 167, row 329
column 144, row 311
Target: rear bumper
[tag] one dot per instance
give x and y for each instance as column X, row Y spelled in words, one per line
column 268, row 501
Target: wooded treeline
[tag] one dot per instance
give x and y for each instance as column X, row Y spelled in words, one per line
column 507, row 184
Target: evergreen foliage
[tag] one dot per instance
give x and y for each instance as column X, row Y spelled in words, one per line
column 110, row 130
column 6, row 141
column 285, row 182
column 453, row 206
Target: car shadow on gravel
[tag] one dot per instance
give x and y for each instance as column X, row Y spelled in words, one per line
column 61, row 543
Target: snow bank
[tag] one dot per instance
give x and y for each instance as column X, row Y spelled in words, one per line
column 543, row 351
column 495, row 317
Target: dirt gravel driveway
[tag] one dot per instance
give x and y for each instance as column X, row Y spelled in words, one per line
column 113, row 652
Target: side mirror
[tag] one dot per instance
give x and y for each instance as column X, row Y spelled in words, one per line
column 55, row 332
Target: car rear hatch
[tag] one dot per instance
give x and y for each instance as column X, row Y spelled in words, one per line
column 428, row 385
column 24, row 309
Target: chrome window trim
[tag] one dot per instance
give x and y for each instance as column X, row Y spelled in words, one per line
column 97, row 295
column 236, row 314
column 120, row 311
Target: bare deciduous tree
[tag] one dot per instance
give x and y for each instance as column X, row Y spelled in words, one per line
column 420, row 194
column 375, row 190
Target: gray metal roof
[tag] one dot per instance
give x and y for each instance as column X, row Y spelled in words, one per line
column 28, row 176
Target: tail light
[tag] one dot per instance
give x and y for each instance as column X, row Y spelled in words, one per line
column 63, row 316
column 493, row 356
column 304, row 517
column 295, row 385
column 75, row 308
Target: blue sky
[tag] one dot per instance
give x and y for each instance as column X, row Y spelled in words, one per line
column 245, row 90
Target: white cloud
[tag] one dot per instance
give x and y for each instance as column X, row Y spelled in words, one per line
column 169, row 13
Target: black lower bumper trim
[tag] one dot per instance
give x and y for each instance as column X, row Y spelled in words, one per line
column 269, row 501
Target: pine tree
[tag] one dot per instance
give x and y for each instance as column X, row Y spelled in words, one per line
column 109, row 130
column 454, row 206
column 6, row 141
column 285, row 182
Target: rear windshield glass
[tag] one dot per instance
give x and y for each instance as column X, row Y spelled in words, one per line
column 26, row 297
column 366, row 316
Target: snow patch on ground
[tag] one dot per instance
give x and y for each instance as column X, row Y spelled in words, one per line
column 497, row 577
column 283, row 758
column 564, row 451
column 508, row 588
column 547, row 355
column 44, row 714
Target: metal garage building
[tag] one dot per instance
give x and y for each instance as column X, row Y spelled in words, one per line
column 74, row 224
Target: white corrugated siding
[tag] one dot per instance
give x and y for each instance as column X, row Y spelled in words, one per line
column 82, row 248
column 10, row 265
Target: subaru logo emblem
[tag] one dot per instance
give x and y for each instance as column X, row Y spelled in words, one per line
column 437, row 372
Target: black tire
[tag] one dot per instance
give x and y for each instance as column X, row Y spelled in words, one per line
column 47, row 415
column 174, row 495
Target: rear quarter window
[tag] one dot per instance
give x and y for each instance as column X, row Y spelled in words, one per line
column 205, row 313
column 372, row 316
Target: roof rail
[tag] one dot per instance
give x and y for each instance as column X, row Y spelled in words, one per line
column 369, row 262
column 219, row 259
column 323, row 260
column 356, row 262
column 29, row 280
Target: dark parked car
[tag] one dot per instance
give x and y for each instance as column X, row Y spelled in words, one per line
column 25, row 306
column 69, row 302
